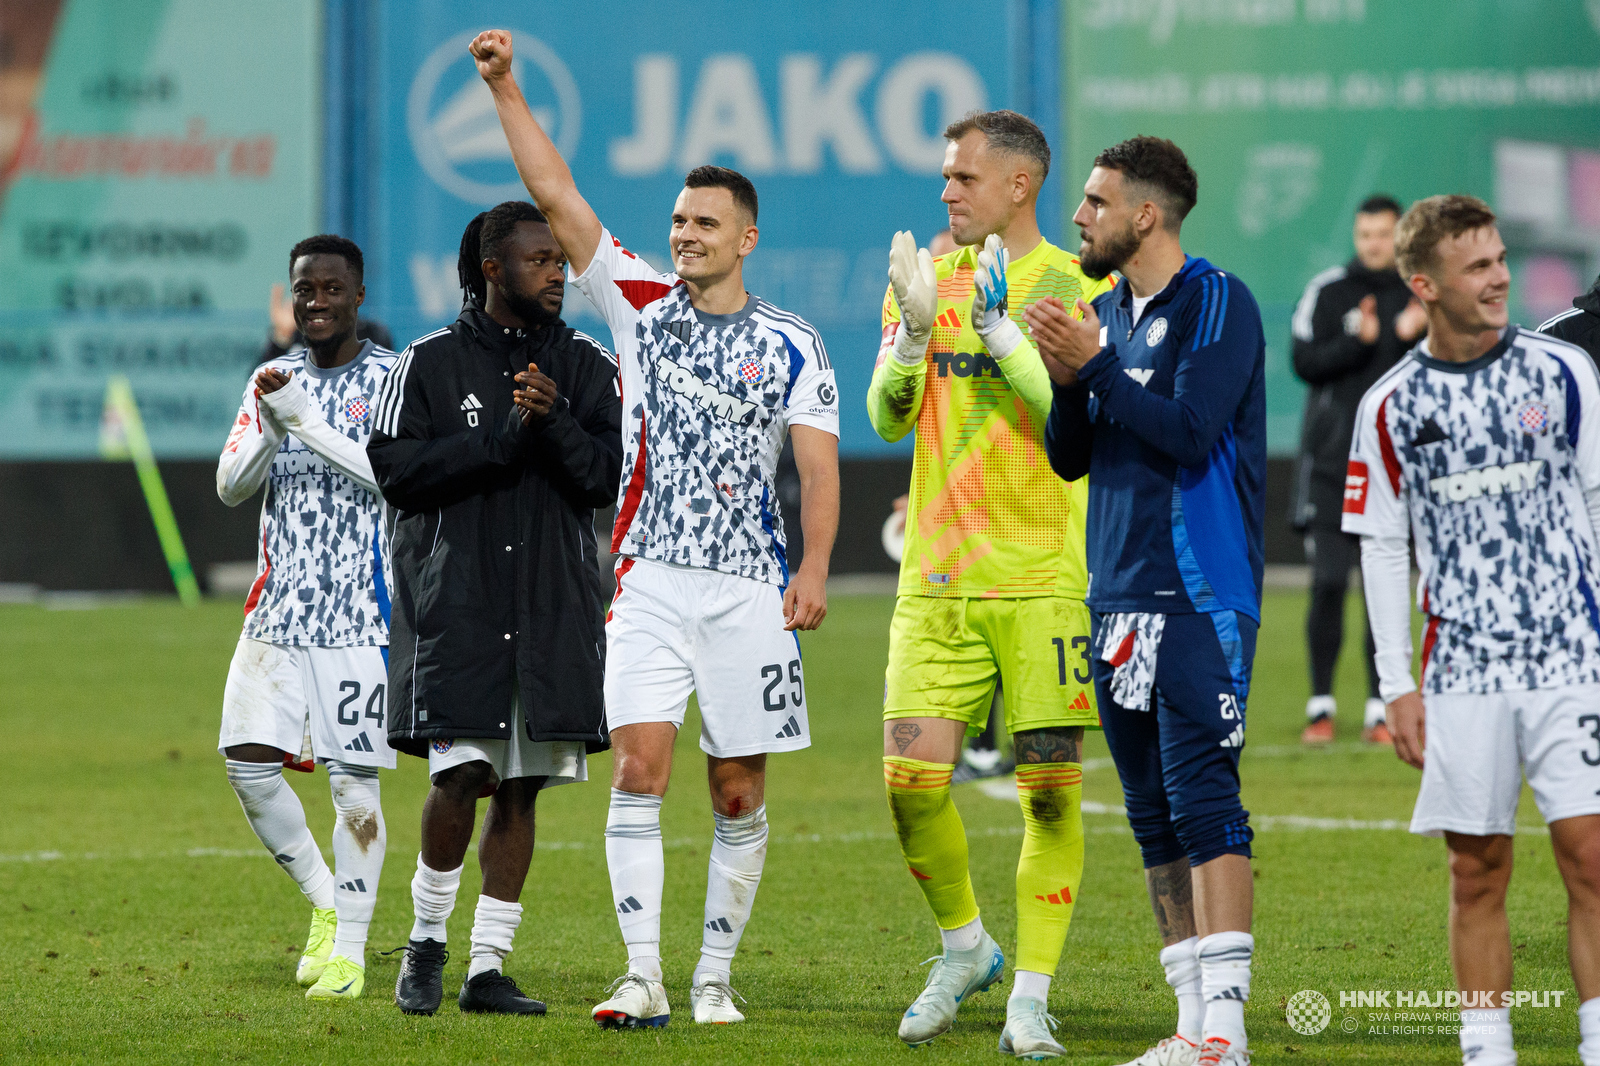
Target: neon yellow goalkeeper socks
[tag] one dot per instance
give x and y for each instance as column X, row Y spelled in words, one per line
column 932, row 837
column 1051, row 867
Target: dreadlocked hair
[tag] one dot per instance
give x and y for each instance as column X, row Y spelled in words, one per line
column 469, row 265
column 484, row 238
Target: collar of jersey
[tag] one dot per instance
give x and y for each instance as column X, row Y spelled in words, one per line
column 967, row 256
column 496, row 337
column 1193, row 267
column 1507, row 335
column 706, row 318
column 324, row 373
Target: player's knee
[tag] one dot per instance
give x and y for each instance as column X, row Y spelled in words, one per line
column 1152, row 829
column 1479, row 876
column 464, row 781
column 1214, row 833
column 1580, row 866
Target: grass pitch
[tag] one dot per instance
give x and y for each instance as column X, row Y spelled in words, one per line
column 143, row 921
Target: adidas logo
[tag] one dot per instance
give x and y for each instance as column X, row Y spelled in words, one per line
column 791, row 728
column 680, row 329
column 360, row 743
column 629, row 906
column 719, row 925
column 949, row 319
column 1234, row 739
column 1079, row 704
column 357, row 885
column 471, row 405
column 1064, row 896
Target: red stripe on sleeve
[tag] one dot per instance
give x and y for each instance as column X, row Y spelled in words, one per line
column 1391, row 462
column 641, row 293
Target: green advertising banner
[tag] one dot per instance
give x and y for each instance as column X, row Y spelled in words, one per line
column 1293, row 111
column 157, row 160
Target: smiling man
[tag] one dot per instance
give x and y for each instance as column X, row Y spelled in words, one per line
column 1481, row 445
column 712, row 379
column 992, row 578
column 307, row 678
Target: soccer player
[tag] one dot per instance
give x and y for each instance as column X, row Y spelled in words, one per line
column 1581, row 324
column 1352, row 324
column 1159, row 398
column 992, row 575
column 1481, row 447
column 494, row 442
column 307, row 679
column 712, row 379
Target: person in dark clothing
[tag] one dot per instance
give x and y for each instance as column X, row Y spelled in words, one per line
column 283, row 336
column 1353, row 323
column 493, row 442
column 1581, row 325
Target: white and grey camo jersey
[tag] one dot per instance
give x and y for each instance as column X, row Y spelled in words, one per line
column 706, row 403
column 1486, row 465
column 322, row 572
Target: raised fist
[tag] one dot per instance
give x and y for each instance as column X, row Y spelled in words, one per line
column 492, row 50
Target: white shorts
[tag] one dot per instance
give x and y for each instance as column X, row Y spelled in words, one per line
column 1477, row 748
column 560, row 762
column 673, row 630
column 313, row 703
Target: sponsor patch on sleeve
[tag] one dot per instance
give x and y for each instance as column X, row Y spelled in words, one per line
column 1355, row 488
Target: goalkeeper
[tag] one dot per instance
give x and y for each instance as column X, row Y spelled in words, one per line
column 992, row 579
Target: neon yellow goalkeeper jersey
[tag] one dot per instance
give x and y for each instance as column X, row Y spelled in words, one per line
column 987, row 516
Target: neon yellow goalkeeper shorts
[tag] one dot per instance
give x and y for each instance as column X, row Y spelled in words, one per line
column 946, row 654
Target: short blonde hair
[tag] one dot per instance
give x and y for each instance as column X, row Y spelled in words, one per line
column 1416, row 239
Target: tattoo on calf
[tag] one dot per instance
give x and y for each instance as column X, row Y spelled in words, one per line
column 1172, row 899
column 1049, row 745
column 903, row 734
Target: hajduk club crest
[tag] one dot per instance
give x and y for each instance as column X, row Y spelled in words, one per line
column 752, row 371
column 356, row 410
column 1534, row 417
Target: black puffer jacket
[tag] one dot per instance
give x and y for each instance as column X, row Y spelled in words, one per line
column 1581, row 325
column 1340, row 369
column 496, row 579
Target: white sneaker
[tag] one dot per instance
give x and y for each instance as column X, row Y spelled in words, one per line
column 1173, row 1051
column 1027, row 1031
column 1218, row 1052
column 955, row 976
column 635, row 1003
column 712, row 1003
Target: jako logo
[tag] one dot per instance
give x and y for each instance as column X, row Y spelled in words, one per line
column 686, row 382
column 455, row 131
column 1493, row 480
column 966, row 364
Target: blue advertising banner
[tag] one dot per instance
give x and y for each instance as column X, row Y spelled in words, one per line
column 834, row 110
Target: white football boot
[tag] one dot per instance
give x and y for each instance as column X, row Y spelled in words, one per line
column 955, row 976
column 1218, row 1052
column 712, row 1003
column 1173, row 1051
column 1028, row 1029
column 635, row 1003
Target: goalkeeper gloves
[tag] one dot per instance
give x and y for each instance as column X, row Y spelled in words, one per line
column 916, row 290
column 1000, row 335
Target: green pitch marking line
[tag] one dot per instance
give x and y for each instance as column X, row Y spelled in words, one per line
column 122, row 436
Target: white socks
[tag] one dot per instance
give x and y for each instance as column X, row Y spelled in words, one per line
column 493, row 927
column 1032, row 985
column 279, row 821
column 1589, row 1032
column 1225, row 984
column 358, row 842
column 1486, row 1037
column 738, row 851
column 638, row 870
column 963, row 938
column 433, row 897
column 1317, row 706
column 1183, row 974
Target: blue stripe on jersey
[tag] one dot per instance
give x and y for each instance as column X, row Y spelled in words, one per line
column 796, row 362
column 1222, row 309
column 1574, row 402
column 1588, row 601
column 1214, row 562
column 769, row 526
column 379, row 586
column 1226, row 623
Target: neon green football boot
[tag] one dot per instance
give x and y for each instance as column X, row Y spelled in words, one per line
column 319, row 945
column 343, row 978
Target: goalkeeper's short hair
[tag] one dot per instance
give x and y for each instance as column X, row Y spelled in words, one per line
column 1006, row 131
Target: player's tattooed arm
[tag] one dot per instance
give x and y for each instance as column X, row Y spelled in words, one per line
column 1050, row 745
column 1172, row 899
column 904, row 734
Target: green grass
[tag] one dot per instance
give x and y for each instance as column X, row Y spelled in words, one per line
column 143, row 921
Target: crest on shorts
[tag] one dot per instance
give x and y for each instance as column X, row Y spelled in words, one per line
column 442, row 747
column 1533, row 417
column 356, row 410
column 1157, row 331
column 752, row 371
